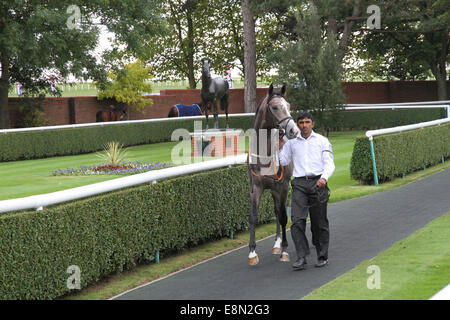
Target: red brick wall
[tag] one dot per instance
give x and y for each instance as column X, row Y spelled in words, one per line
column 391, row 92
column 57, row 109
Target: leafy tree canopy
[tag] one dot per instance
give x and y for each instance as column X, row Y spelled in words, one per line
column 128, row 85
column 310, row 65
column 59, row 37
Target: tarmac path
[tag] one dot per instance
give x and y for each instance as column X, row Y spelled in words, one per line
column 360, row 229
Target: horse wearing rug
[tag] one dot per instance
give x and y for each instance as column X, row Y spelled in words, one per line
column 272, row 121
column 182, row 110
column 214, row 90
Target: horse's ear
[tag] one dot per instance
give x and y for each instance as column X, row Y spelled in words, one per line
column 283, row 90
column 270, row 89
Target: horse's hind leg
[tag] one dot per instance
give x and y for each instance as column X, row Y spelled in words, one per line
column 282, row 217
column 255, row 196
column 224, row 106
column 281, row 244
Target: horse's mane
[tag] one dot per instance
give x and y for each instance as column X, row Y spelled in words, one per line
column 206, row 73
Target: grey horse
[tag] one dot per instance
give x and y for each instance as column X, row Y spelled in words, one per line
column 272, row 115
column 214, row 90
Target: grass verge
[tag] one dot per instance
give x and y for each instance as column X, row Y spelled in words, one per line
column 414, row 268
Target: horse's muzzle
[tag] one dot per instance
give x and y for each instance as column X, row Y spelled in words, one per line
column 291, row 130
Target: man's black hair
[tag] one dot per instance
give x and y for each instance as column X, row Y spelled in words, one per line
column 304, row 115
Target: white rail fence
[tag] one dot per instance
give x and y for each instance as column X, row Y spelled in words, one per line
column 371, row 133
column 112, row 123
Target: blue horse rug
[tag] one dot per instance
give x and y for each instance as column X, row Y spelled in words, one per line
column 188, row 110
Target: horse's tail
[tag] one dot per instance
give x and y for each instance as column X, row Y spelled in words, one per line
column 98, row 116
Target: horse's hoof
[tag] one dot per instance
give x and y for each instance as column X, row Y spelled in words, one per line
column 276, row 250
column 285, row 257
column 253, row 261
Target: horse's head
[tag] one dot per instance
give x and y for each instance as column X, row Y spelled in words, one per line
column 278, row 114
column 205, row 69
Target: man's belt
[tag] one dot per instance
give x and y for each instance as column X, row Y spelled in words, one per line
column 308, row 177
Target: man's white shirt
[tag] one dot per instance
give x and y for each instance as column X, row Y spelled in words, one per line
column 312, row 156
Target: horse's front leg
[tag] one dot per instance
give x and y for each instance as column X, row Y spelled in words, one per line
column 216, row 115
column 277, row 246
column 206, row 114
column 255, row 196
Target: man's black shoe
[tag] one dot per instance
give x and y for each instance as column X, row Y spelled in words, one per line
column 300, row 264
column 321, row 263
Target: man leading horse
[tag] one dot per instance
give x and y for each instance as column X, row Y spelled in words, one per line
column 312, row 156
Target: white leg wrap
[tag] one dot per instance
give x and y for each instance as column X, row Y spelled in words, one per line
column 277, row 243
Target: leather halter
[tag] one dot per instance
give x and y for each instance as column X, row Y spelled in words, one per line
column 277, row 125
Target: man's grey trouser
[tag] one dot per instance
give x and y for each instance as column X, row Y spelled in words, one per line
column 307, row 197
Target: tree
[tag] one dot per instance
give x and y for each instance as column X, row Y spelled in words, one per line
column 228, row 40
column 128, row 86
column 210, row 30
column 249, row 58
column 59, row 37
column 413, row 41
column 250, row 11
column 179, row 53
column 311, row 64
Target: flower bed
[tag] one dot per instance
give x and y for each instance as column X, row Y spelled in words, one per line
column 124, row 169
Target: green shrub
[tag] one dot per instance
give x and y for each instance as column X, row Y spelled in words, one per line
column 49, row 143
column 400, row 153
column 72, row 141
column 358, row 120
column 112, row 232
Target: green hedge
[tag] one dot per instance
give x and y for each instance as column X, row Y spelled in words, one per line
column 356, row 120
column 72, row 141
column 50, row 143
column 400, row 153
column 115, row 231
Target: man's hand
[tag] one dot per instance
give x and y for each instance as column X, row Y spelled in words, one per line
column 321, row 183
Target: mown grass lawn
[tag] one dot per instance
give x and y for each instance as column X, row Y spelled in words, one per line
column 414, row 268
column 31, row 177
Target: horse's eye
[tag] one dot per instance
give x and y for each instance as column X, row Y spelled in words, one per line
column 275, row 108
